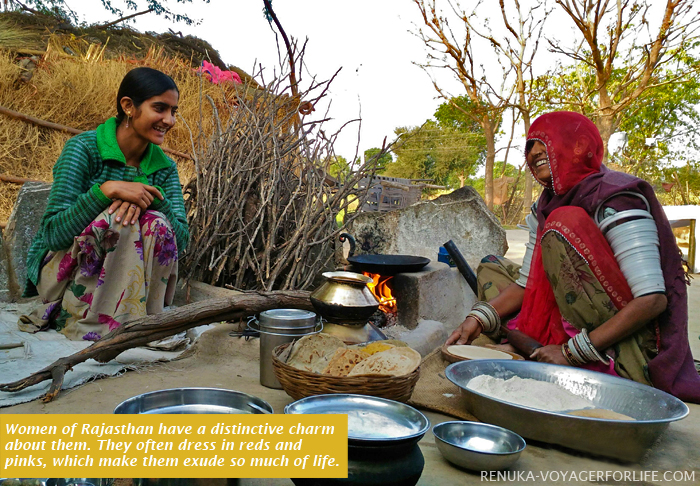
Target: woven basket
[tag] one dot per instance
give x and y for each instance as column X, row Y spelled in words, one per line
column 299, row 383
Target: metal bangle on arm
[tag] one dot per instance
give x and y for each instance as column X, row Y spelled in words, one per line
column 487, row 316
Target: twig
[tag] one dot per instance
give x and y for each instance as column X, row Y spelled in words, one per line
column 151, row 328
column 104, row 26
column 16, row 180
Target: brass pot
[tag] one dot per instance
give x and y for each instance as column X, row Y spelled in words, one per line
column 345, row 298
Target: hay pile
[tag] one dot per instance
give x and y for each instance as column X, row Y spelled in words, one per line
column 79, row 90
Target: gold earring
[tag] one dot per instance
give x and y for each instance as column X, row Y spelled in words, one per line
column 128, row 116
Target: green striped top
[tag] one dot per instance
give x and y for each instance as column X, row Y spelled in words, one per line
column 87, row 161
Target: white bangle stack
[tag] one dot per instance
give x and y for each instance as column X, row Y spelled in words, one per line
column 487, row 316
column 580, row 350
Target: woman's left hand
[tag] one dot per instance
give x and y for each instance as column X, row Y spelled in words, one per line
column 550, row 354
column 127, row 213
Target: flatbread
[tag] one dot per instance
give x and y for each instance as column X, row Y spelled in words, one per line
column 343, row 361
column 314, row 352
column 394, row 362
column 476, row 352
column 376, row 347
column 601, row 413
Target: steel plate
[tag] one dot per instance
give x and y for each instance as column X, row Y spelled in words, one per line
column 371, row 420
column 194, row 400
column 652, row 409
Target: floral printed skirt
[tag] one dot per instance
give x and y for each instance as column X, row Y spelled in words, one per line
column 111, row 275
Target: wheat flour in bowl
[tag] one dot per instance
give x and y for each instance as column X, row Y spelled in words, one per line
column 528, row 393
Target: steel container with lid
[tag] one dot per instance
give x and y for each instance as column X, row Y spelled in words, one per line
column 280, row 326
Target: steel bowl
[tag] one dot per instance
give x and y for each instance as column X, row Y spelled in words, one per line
column 478, row 446
column 194, row 400
column 372, row 421
column 652, row 409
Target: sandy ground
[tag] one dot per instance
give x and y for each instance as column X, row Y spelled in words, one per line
column 222, row 361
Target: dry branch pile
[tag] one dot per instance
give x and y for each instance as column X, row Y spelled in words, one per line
column 262, row 215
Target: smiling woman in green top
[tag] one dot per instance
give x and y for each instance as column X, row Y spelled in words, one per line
column 107, row 248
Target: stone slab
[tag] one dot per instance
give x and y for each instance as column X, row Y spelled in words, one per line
column 5, row 295
column 438, row 292
column 21, row 227
column 426, row 336
column 421, row 229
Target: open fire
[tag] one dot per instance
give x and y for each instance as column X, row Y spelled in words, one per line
column 381, row 287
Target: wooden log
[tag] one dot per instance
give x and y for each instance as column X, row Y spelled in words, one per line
column 16, row 180
column 158, row 326
column 395, row 185
column 429, row 186
column 63, row 128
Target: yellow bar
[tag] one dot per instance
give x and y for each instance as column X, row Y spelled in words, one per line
column 174, row 446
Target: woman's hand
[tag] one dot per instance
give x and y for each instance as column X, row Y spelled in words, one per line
column 126, row 211
column 468, row 331
column 550, row 354
column 136, row 193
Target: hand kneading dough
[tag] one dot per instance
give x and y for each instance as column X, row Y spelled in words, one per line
column 601, row 413
column 394, row 361
column 312, row 353
column 343, row 361
column 476, row 352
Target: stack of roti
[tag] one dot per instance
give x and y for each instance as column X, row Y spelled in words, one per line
column 314, row 353
column 328, row 355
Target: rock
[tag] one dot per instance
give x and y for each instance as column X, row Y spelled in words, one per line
column 421, row 229
column 437, row 293
column 5, row 295
column 21, row 227
column 427, row 336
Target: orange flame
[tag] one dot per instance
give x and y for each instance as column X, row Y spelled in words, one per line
column 381, row 288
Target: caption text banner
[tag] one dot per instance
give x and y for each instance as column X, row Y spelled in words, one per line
column 174, row 446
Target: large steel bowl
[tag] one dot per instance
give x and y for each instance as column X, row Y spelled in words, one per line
column 652, row 409
column 478, row 446
column 194, row 400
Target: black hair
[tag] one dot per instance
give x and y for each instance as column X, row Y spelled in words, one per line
column 528, row 146
column 141, row 84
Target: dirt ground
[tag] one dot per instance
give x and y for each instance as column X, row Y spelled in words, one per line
column 219, row 360
column 223, row 361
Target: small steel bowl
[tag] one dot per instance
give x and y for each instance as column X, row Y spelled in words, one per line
column 478, row 446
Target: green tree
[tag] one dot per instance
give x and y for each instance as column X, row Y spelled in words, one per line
column 661, row 126
column 339, row 167
column 383, row 160
column 433, row 151
column 661, row 129
column 61, row 9
column 625, row 47
column 453, row 51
